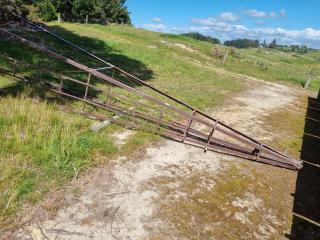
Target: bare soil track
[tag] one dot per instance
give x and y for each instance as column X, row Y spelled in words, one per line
column 126, row 200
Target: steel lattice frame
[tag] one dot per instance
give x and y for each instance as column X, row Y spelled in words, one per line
column 165, row 114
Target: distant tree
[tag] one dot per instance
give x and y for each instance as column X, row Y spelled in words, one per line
column 46, row 10
column 283, row 48
column 295, row 48
column 264, row 44
column 98, row 11
column 201, row 37
column 64, row 7
column 300, row 48
column 114, row 11
column 303, row 49
column 82, row 8
column 273, row 44
column 242, row 43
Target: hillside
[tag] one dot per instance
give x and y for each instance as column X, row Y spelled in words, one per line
column 147, row 47
column 43, row 147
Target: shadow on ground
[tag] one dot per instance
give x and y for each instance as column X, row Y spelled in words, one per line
column 102, row 50
column 306, row 209
column 94, row 45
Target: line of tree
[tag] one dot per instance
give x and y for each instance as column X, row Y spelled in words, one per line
column 242, row 43
column 201, row 37
column 249, row 43
column 287, row 48
column 92, row 11
column 295, row 48
column 272, row 44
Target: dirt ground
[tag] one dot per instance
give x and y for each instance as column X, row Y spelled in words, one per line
column 172, row 190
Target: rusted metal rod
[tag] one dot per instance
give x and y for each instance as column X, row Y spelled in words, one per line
column 254, row 150
column 229, row 131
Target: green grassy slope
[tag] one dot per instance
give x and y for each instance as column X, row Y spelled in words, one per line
column 42, row 148
column 146, row 46
column 275, row 65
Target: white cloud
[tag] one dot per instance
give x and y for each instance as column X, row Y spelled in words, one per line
column 219, row 21
column 261, row 14
column 219, row 26
column 159, row 27
column 308, row 36
column 256, row 14
column 224, row 27
column 210, row 22
column 273, row 15
column 224, row 31
column 283, row 13
column 228, row 17
column 157, row 20
column 156, row 25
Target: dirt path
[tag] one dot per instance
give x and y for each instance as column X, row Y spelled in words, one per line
column 118, row 201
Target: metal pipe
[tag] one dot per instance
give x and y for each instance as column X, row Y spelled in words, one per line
column 242, row 135
column 229, row 147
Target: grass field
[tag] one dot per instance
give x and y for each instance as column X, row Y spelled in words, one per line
column 42, row 147
column 163, row 50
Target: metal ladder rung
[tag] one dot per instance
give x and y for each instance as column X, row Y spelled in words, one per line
column 188, row 125
column 210, row 136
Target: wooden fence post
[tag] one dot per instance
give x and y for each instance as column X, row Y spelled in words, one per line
column 306, row 85
column 87, row 86
column 225, row 56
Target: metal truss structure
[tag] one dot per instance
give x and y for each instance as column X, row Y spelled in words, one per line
column 110, row 88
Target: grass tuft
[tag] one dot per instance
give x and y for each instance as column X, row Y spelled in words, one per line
column 42, row 148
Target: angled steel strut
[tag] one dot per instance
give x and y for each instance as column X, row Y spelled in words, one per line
column 153, row 109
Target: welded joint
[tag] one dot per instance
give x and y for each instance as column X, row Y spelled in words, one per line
column 210, row 136
column 257, row 152
column 188, row 125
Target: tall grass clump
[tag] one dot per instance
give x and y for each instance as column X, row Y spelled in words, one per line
column 41, row 148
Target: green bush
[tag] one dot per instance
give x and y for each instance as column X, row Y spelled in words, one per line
column 47, row 11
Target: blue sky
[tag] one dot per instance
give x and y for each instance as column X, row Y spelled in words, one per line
column 290, row 22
